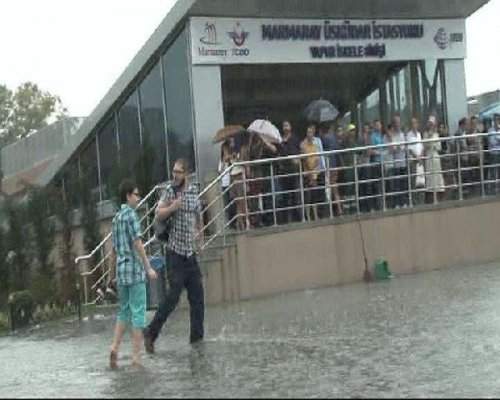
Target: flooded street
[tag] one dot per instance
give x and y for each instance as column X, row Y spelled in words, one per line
column 430, row 334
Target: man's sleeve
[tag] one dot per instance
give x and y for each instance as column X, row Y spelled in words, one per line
column 134, row 227
column 168, row 195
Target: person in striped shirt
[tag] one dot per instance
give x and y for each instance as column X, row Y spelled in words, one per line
column 130, row 265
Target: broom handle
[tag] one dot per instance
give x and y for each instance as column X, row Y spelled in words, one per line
column 362, row 242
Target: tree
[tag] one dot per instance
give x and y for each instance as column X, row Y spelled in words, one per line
column 26, row 110
column 19, row 244
column 4, row 271
column 90, row 225
column 43, row 230
column 64, row 214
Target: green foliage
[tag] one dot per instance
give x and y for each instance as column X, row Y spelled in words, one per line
column 21, row 308
column 43, row 229
column 64, row 214
column 26, row 110
column 90, row 225
column 4, row 271
column 20, row 254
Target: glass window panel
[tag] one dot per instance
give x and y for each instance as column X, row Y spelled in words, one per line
column 130, row 141
column 179, row 105
column 88, row 168
column 108, row 150
column 153, row 124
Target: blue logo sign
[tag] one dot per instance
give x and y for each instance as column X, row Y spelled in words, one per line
column 441, row 38
column 238, row 35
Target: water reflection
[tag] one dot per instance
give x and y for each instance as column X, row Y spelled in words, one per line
column 431, row 334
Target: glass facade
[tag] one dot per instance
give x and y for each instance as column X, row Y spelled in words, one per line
column 153, row 123
column 179, row 102
column 108, row 152
column 130, row 136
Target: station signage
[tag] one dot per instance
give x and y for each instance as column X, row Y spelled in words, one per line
column 244, row 40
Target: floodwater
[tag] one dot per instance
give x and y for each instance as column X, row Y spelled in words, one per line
column 433, row 334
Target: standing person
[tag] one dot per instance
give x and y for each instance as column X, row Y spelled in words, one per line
column 400, row 169
column 350, row 143
column 330, row 142
column 460, row 147
column 447, row 159
column 364, row 170
column 226, row 157
column 130, row 265
column 180, row 202
column 289, row 146
column 416, row 164
column 474, row 147
column 434, row 182
column 376, row 166
column 388, row 158
column 494, row 154
column 312, row 168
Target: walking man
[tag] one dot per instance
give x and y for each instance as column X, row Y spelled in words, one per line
column 132, row 265
column 180, row 202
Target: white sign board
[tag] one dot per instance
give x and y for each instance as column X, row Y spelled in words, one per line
column 243, row 41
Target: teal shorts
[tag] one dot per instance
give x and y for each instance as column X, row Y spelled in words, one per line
column 132, row 305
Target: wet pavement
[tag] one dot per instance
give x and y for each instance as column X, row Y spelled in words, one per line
column 434, row 334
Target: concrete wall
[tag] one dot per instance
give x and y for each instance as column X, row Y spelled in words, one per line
column 331, row 254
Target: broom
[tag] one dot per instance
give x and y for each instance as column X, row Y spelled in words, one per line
column 367, row 275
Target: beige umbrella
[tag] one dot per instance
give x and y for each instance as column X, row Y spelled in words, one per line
column 227, row 132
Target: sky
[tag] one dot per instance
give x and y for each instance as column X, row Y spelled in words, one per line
column 77, row 49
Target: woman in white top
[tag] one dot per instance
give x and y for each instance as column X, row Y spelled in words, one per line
column 434, row 182
column 225, row 159
column 416, row 164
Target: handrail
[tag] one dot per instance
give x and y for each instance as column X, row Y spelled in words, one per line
column 450, row 138
column 103, row 242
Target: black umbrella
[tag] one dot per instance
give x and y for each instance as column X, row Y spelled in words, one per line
column 321, row 111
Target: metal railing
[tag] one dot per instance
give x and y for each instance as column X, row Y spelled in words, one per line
column 100, row 255
column 281, row 190
column 267, row 193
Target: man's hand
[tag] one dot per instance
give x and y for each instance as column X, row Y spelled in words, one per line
column 151, row 274
column 176, row 204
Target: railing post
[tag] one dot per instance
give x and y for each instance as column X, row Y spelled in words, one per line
column 356, row 183
column 459, row 169
column 247, row 219
column 302, row 191
column 382, row 178
column 274, row 194
column 481, row 166
column 408, row 168
column 329, row 193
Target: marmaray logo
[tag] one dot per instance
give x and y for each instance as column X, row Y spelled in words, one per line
column 238, row 35
column 210, row 35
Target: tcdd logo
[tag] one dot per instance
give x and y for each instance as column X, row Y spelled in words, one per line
column 238, row 35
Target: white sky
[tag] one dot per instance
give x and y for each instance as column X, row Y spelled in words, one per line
column 78, row 48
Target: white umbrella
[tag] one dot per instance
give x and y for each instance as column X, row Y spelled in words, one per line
column 266, row 129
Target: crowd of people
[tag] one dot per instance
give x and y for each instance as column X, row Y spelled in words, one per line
column 384, row 167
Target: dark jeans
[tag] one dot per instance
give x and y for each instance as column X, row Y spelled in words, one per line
column 292, row 199
column 400, row 184
column 229, row 208
column 184, row 273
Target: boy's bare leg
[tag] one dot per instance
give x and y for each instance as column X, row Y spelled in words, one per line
column 137, row 339
column 115, row 348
